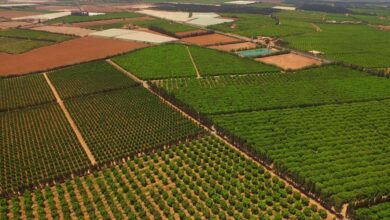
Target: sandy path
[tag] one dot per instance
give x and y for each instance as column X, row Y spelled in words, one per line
column 273, row 173
column 193, row 63
column 318, row 29
column 71, row 122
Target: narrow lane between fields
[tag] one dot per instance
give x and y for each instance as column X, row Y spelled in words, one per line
column 193, row 63
column 331, row 215
column 70, row 121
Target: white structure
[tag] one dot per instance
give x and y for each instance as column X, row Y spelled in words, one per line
column 284, row 8
column 197, row 18
column 133, row 35
column 240, row 2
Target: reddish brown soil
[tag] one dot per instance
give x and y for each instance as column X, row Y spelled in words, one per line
column 384, row 27
column 12, row 24
column 74, row 31
column 14, row 14
column 211, row 39
column 290, row 61
column 64, row 54
column 191, row 33
column 234, row 47
column 110, row 21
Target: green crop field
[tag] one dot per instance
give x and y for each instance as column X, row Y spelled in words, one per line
column 36, row 146
column 324, row 85
column 212, row 62
column 376, row 212
column 337, row 151
column 112, row 15
column 165, row 25
column 165, row 61
column 89, row 78
column 24, row 91
column 20, row 40
column 356, row 44
column 204, row 179
column 119, row 123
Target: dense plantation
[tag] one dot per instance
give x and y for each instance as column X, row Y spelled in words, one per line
column 164, row 26
column 120, row 123
column 203, row 178
column 36, row 146
column 165, row 61
column 89, row 78
column 356, row 44
column 340, row 152
column 24, row 91
column 212, row 62
column 22, row 40
column 75, row 18
column 329, row 84
column 376, row 212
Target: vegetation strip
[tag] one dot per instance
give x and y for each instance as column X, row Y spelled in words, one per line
column 193, row 62
column 71, row 122
column 223, row 139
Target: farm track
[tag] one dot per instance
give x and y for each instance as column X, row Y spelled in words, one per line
column 318, row 29
column 193, row 63
column 71, row 122
column 331, row 214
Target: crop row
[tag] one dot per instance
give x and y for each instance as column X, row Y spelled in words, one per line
column 122, row 122
column 204, row 179
column 37, row 145
column 89, row 78
column 376, row 212
column 324, row 85
column 24, row 91
column 338, row 152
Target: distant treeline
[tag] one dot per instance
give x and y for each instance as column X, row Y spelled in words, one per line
column 324, row 8
column 214, row 8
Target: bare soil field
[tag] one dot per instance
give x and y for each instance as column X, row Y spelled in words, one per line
column 384, row 27
column 12, row 24
column 110, row 21
column 191, row 33
column 14, row 14
column 74, row 31
column 290, row 61
column 234, row 47
column 210, row 39
column 64, row 54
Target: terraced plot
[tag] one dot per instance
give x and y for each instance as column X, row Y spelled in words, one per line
column 202, row 179
column 36, row 146
column 339, row 152
column 24, row 91
column 212, row 62
column 120, row 123
column 325, row 85
column 165, row 61
column 89, row 78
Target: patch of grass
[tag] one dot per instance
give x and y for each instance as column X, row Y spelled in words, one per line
column 113, row 15
column 164, row 61
column 15, row 45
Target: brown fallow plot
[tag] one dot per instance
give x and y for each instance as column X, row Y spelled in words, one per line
column 384, row 27
column 110, row 21
column 74, row 31
column 197, row 32
column 211, row 39
column 291, row 61
column 64, row 54
column 13, row 24
column 234, row 47
column 14, row 14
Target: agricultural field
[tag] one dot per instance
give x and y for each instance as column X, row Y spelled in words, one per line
column 74, row 19
column 37, row 145
column 165, row 61
column 376, row 212
column 339, row 152
column 16, row 41
column 89, row 78
column 317, row 86
column 164, row 26
column 24, row 92
column 120, row 123
column 202, row 179
column 355, row 44
column 211, row 62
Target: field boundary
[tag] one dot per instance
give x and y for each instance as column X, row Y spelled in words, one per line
column 193, row 63
column 247, row 154
column 70, row 121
